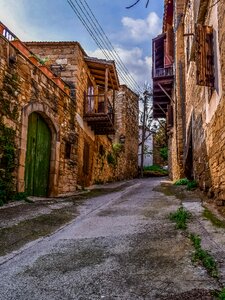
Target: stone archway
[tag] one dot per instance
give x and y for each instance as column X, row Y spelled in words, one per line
column 49, row 118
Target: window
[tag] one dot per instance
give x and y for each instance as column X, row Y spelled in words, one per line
column 86, row 158
column 67, row 150
column 204, row 55
column 101, row 150
column 90, row 94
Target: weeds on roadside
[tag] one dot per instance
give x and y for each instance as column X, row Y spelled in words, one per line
column 180, row 217
column 182, row 181
column 214, row 220
column 203, row 256
column 191, row 185
column 20, row 196
column 221, row 294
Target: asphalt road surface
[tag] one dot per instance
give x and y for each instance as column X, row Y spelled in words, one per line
column 121, row 246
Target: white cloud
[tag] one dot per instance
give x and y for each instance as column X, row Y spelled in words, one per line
column 17, row 20
column 138, row 65
column 142, row 29
column 15, row 14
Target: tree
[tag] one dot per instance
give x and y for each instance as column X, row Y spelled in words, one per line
column 132, row 5
column 161, row 143
column 146, row 121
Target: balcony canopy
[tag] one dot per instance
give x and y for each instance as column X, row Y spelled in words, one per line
column 98, row 69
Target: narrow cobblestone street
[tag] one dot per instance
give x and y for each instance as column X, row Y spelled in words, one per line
column 120, row 246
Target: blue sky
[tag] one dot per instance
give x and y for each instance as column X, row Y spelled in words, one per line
column 129, row 30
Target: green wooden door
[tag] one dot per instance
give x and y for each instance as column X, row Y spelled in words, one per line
column 37, row 156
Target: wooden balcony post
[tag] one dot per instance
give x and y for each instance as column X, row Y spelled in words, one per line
column 106, row 87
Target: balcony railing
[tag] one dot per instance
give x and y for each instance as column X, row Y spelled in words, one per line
column 99, row 114
column 98, row 105
column 7, row 33
column 163, row 72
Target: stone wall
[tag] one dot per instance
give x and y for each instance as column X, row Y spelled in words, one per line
column 126, row 121
column 118, row 155
column 204, row 135
column 25, row 89
column 176, row 133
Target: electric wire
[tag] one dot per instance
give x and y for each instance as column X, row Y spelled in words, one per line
column 109, row 44
column 92, row 32
column 97, row 33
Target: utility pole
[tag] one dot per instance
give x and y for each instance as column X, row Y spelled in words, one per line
column 143, row 132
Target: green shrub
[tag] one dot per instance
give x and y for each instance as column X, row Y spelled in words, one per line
column 117, row 148
column 221, row 294
column 182, row 181
column 164, row 153
column 214, row 220
column 180, row 217
column 20, row 196
column 111, row 159
column 191, row 185
column 155, row 169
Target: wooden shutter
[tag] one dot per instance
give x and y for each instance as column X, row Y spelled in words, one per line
column 204, row 56
column 86, row 158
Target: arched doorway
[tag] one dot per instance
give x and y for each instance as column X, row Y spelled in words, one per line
column 38, row 154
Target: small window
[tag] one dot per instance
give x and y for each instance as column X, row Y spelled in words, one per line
column 86, row 158
column 101, row 150
column 67, row 150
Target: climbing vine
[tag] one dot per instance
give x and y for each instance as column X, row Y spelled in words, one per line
column 8, row 108
column 112, row 157
column 7, row 162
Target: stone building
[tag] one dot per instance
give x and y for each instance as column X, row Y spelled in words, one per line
column 104, row 112
column 197, row 137
column 35, row 109
column 126, row 126
column 73, row 122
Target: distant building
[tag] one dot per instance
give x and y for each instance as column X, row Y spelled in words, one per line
column 148, row 148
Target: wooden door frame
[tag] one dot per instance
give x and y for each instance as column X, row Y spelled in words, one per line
column 49, row 118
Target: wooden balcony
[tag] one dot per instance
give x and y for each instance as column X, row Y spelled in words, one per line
column 99, row 114
column 162, row 72
column 162, row 91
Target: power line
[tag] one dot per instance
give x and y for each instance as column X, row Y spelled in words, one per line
column 97, row 33
column 92, row 31
column 111, row 47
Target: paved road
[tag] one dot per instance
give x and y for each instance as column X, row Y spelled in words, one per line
column 122, row 246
